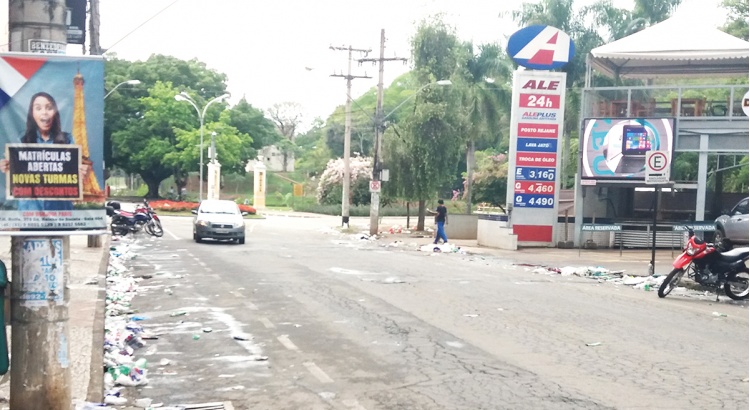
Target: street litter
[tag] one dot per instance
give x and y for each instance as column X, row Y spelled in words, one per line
column 243, row 337
column 717, row 314
column 393, row 280
column 441, row 248
column 471, row 315
column 207, row 330
column 594, row 344
column 178, row 314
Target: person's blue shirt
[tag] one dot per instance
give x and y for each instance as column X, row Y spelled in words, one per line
column 43, row 205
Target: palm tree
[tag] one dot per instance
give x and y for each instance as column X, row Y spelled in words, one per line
column 486, row 96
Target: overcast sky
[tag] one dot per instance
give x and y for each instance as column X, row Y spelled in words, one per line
column 264, row 46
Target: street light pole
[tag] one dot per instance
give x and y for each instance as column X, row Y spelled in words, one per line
column 129, row 82
column 183, row 96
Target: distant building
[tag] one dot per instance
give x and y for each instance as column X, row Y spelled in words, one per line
column 274, row 159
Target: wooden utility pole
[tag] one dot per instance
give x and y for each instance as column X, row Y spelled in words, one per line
column 40, row 362
column 345, row 197
column 379, row 128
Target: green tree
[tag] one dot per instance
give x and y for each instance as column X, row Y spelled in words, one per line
column 485, row 99
column 251, row 121
column 432, row 135
column 140, row 120
column 737, row 19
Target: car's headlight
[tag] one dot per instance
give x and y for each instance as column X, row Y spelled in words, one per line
column 239, row 225
column 202, row 223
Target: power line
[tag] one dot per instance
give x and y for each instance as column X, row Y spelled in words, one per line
column 142, row 24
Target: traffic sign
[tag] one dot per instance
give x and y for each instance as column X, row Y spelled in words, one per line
column 374, row 186
column 746, row 103
column 657, row 167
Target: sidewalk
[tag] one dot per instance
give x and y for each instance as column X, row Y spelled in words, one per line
column 86, row 285
column 634, row 262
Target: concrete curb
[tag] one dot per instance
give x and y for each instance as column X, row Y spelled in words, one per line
column 95, row 391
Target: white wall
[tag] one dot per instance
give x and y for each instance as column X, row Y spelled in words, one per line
column 4, row 34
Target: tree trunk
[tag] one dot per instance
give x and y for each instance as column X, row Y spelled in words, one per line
column 420, row 217
column 153, row 186
column 469, row 174
column 408, row 216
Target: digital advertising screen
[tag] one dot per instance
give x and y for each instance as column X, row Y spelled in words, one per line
column 616, row 148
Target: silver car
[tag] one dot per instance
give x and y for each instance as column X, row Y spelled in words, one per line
column 733, row 226
column 219, row 219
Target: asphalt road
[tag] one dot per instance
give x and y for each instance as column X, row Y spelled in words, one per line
column 333, row 322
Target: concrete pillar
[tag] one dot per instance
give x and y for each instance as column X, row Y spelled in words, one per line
column 259, row 185
column 214, row 180
column 700, row 194
column 40, row 372
column 43, row 21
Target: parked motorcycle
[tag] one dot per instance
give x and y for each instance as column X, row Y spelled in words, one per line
column 710, row 265
column 153, row 226
column 142, row 218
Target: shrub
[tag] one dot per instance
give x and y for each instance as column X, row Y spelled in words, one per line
column 167, row 205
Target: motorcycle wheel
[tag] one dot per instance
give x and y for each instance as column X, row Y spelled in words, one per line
column 737, row 289
column 154, row 228
column 670, row 282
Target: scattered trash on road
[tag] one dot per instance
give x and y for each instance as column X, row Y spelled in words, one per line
column 594, row 344
column 717, row 314
column 471, row 315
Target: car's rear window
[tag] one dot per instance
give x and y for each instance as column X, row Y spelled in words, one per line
column 219, row 208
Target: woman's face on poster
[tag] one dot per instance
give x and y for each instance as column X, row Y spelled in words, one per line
column 44, row 112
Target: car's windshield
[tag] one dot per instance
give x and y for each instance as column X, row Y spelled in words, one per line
column 219, row 208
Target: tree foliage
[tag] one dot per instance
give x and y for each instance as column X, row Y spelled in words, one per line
column 737, row 19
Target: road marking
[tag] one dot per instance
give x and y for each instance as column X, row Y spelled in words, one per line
column 317, row 372
column 284, row 339
column 267, row 323
column 171, row 234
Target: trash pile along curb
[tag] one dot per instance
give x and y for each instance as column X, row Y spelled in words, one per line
column 122, row 333
column 600, row 274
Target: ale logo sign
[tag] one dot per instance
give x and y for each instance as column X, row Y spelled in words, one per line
column 541, row 47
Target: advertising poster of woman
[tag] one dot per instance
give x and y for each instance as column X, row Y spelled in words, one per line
column 51, row 131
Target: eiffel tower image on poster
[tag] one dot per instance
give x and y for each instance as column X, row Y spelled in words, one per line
column 92, row 191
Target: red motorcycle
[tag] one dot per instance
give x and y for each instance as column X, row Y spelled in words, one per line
column 709, row 265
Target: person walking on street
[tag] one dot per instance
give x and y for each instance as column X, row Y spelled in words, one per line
column 441, row 218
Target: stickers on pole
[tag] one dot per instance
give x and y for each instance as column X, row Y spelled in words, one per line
column 42, row 273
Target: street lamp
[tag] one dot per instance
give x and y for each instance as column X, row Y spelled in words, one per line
column 183, row 96
column 129, row 82
column 379, row 128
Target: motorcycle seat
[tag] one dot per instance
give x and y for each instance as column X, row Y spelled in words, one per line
column 125, row 213
column 734, row 255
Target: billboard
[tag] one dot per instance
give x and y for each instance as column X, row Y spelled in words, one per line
column 51, row 131
column 615, row 148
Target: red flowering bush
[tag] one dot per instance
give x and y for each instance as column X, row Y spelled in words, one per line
column 167, row 205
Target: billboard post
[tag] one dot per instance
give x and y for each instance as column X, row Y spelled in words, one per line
column 51, row 176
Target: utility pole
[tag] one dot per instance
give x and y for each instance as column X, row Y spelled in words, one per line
column 95, row 48
column 345, row 197
column 379, row 128
column 40, row 371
